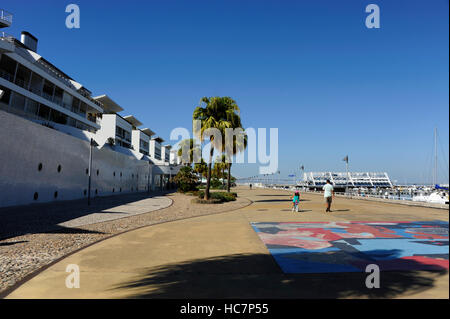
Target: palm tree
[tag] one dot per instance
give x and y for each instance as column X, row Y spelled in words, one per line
column 201, row 169
column 239, row 145
column 215, row 114
column 220, row 165
column 239, row 142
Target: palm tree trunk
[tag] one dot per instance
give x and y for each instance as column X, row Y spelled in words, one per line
column 229, row 177
column 208, row 177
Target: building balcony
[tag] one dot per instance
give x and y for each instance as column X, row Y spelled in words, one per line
column 6, row 43
column 6, row 75
column 62, row 79
column 23, row 84
column 6, row 36
column 127, row 139
column 6, row 18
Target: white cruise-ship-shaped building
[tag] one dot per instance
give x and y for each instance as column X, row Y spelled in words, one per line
column 341, row 180
column 48, row 119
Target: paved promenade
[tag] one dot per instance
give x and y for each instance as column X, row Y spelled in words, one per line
column 221, row 256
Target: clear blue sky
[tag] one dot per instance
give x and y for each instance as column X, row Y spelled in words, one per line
column 310, row 68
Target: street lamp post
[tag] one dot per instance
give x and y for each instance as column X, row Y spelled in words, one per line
column 302, row 168
column 91, row 146
column 150, row 175
column 346, row 177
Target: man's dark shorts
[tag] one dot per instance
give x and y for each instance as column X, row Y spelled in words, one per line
column 328, row 200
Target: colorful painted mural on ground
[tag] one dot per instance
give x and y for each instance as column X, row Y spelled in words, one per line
column 326, row 247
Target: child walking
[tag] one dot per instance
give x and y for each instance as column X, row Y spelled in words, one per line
column 295, row 201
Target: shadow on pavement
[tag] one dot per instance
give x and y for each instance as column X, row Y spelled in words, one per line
column 274, row 195
column 45, row 217
column 13, row 243
column 287, row 200
column 258, row 276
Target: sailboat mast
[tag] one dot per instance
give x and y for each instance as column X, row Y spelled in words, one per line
column 435, row 157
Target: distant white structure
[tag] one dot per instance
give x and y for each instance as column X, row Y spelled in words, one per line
column 353, row 179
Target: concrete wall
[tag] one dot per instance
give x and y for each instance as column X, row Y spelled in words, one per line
column 25, row 146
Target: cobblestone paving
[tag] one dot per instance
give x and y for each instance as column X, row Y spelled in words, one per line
column 35, row 247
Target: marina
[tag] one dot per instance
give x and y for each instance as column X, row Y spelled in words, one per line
column 358, row 184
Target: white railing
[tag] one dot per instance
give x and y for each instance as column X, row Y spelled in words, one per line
column 6, row 16
column 379, row 196
column 5, row 36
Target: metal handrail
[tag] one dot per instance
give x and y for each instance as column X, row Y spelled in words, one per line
column 6, row 16
column 7, row 37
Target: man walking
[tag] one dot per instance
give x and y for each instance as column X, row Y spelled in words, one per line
column 328, row 194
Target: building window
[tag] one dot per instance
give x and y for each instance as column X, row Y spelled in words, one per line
column 7, row 68
column 36, row 84
column 58, row 98
column 23, row 76
column 6, row 95
column 143, row 144
column 18, row 101
column 83, row 109
column 32, row 107
column 48, row 89
column 71, row 121
column 120, row 132
column 58, row 117
column 81, row 126
column 157, row 153
column 44, row 112
column 75, row 105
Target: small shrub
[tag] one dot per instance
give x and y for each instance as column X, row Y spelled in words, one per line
column 222, row 196
column 111, row 141
column 203, row 201
column 216, row 183
column 186, row 179
column 221, row 187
